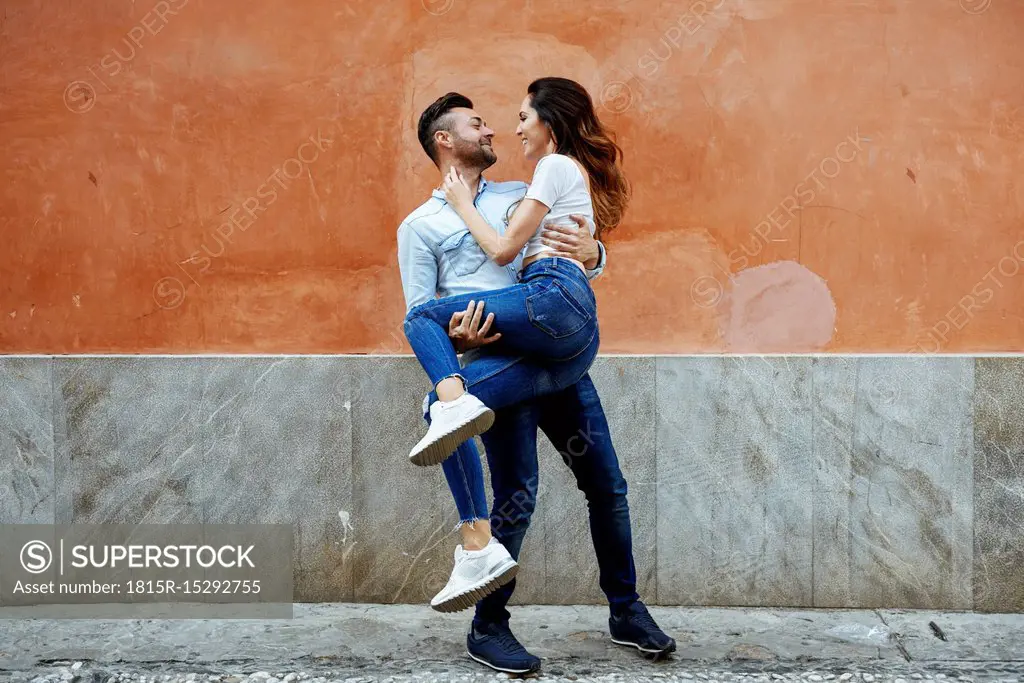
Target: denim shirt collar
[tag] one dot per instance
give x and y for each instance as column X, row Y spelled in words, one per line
column 479, row 190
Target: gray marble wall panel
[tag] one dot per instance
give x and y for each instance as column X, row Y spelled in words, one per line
column 734, row 481
column 892, row 481
column 26, row 441
column 209, row 440
column 403, row 515
column 893, row 491
column 834, row 404
column 781, row 481
column 998, row 584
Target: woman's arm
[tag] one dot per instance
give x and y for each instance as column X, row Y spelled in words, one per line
column 502, row 249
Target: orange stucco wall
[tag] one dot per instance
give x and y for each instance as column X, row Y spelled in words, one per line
column 832, row 176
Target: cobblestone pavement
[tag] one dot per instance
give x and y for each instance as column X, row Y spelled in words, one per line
column 395, row 643
column 77, row 672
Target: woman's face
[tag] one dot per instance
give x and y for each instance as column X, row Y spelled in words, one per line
column 534, row 134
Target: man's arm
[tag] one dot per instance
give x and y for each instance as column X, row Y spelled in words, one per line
column 418, row 267
column 576, row 243
column 601, row 259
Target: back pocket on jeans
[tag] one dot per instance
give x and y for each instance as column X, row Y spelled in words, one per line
column 554, row 312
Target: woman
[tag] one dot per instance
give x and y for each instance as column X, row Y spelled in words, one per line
column 550, row 315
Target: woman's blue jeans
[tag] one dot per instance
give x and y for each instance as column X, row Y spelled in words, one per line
column 549, row 317
column 553, row 307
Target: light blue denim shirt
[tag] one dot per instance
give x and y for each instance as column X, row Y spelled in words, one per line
column 438, row 256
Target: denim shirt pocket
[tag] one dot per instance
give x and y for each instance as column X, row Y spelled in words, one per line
column 463, row 253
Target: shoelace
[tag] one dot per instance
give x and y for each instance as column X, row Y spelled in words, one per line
column 509, row 642
column 644, row 619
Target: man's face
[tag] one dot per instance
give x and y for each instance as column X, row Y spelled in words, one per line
column 471, row 140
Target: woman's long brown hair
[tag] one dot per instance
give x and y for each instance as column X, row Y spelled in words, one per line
column 566, row 107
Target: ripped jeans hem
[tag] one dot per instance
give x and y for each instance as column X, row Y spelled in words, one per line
column 471, row 522
column 450, row 376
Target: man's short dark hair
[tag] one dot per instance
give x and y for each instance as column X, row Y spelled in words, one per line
column 435, row 118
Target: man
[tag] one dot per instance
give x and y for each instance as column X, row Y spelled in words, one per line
column 437, row 255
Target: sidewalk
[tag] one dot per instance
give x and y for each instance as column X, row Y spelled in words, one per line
column 345, row 642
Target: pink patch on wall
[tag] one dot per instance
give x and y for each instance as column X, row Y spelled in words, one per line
column 780, row 307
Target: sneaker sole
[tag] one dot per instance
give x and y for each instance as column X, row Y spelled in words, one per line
column 531, row 670
column 457, row 603
column 646, row 651
column 437, row 452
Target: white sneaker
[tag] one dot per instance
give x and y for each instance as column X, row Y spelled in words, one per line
column 477, row 574
column 451, row 423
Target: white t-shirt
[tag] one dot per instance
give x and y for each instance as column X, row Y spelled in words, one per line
column 558, row 184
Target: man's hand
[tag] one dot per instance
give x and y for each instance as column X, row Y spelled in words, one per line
column 465, row 330
column 573, row 241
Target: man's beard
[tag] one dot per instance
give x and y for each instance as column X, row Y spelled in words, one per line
column 475, row 155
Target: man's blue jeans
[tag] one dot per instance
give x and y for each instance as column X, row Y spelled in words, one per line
column 550, row 316
column 575, row 423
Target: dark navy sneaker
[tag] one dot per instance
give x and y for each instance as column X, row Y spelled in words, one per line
column 634, row 626
column 494, row 645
